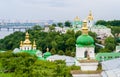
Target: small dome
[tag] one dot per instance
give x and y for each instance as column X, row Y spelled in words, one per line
column 85, row 40
column 47, row 54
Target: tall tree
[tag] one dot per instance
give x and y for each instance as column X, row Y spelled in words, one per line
column 67, row 23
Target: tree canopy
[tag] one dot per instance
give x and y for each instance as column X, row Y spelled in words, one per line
column 26, row 65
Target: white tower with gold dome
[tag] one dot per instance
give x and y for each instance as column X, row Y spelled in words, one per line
column 26, row 45
column 85, row 44
column 90, row 19
column 85, row 55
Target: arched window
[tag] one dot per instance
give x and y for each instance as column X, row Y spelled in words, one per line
column 86, row 54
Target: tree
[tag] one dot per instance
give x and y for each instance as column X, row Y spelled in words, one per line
column 68, row 52
column 53, row 51
column 101, row 22
column 73, row 54
column 52, row 28
column 54, row 24
column 70, row 43
column 54, row 44
column 103, row 50
column 60, row 52
column 78, row 33
column 94, row 35
column 110, row 43
column 37, row 27
column 60, row 24
column 67, row 23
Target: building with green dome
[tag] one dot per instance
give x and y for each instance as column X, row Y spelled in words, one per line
column 84, row 40
column 77, row 23
column 46, row 54
column 85, row 44
column 85, row 55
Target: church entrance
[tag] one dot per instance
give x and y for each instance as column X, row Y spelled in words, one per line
column 86, row 54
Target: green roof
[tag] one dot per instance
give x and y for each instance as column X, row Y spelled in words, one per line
column 84, row 40
column 47, row 54
column 107, row 56
column 32, row 52
column 41, row 58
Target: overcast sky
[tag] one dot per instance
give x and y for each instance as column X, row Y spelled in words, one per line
column 59, row 9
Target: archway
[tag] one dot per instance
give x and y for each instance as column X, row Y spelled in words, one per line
column 86, row 54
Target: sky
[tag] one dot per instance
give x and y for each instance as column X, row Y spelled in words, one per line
column 59, row 10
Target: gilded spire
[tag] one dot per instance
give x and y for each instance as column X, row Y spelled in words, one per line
column 47, row 49
column 34, row 44
column 27, row 41
column 84, row 27
column 27, row 35
column 77, row 18
column 90, row 17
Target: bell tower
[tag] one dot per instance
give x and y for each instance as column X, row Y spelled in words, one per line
column 90, row 19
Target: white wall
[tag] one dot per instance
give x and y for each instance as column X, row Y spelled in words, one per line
column 80, row 52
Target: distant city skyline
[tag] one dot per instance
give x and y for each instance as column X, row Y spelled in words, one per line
column 59, row 10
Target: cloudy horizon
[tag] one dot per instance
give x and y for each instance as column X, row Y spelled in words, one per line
column 59, row 9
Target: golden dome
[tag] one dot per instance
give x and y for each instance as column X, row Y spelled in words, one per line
column 77, row 18
column 27, row 41
column 90, row 17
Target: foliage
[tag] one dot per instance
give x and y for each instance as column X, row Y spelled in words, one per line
column 106, row 23
column 68, row 53
column 43, row 40
column 67, row 23
column 115, row 29
column 54, row 25
column 25, row 65
column 110, row 43
column 103, row 50
column 60, row 52
column 60, row 24
column 53, row 51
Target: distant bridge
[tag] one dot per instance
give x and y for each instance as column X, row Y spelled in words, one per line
column 14, row 28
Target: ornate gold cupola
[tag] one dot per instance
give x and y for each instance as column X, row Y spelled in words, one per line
column 90, row 16
column 34, row 45
column 77, row 18
column 85, row 28
column 27, row 41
